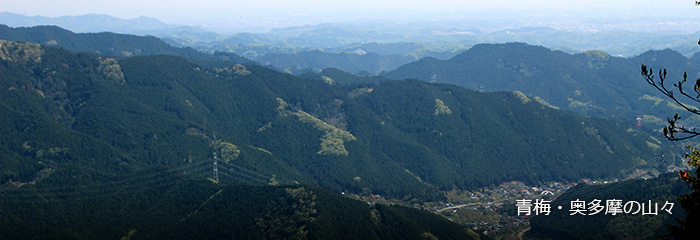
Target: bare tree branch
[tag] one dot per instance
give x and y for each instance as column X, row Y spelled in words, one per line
column 673, row 128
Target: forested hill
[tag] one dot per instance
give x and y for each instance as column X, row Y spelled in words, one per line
column 398, row 138
column 161, row 204
column 107, row 43
column 336, row 76
column 100, row 148
column 592, row 82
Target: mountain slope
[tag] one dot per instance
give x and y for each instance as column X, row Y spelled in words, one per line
column 335, row 76
column 398, row 138
column 592, row 82
column 468, row 135
column 165, row 204
column 94, row 147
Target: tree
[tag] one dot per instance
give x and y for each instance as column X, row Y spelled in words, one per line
column 688, row 228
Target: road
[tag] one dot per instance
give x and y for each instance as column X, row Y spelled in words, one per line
column 457, row 206
column 520, row 235
column 495, row 203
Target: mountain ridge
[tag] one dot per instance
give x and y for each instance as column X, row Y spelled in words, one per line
column 592, row 82
column 107, row 43
column 141, row 25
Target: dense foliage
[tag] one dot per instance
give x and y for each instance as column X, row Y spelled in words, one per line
column 336, row 76
column 88, row 156
column 592, row 82
column 163, row 204
column 399, row 138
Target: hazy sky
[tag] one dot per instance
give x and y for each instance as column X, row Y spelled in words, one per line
column 262, row 15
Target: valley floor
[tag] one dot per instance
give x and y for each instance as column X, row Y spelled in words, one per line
column 491, row 211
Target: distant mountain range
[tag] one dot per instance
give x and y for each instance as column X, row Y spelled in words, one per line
column 110, row 44
column 96, row 23
column 370, row 63
column 295, row 43
column 437, row 37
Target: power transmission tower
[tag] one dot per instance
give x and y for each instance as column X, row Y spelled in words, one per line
column 216, row 169
column 215, row 177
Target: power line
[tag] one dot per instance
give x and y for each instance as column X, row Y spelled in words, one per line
column 144, row 180
column 250, row 181
column 86, row 191
column 256, row 178
column 122, row 179
column 247, row 170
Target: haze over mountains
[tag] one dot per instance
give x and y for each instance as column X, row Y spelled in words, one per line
column 111, row 44
column 444, row 36
column 95, row 23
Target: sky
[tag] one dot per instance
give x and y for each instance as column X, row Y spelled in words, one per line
column 263, row 15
